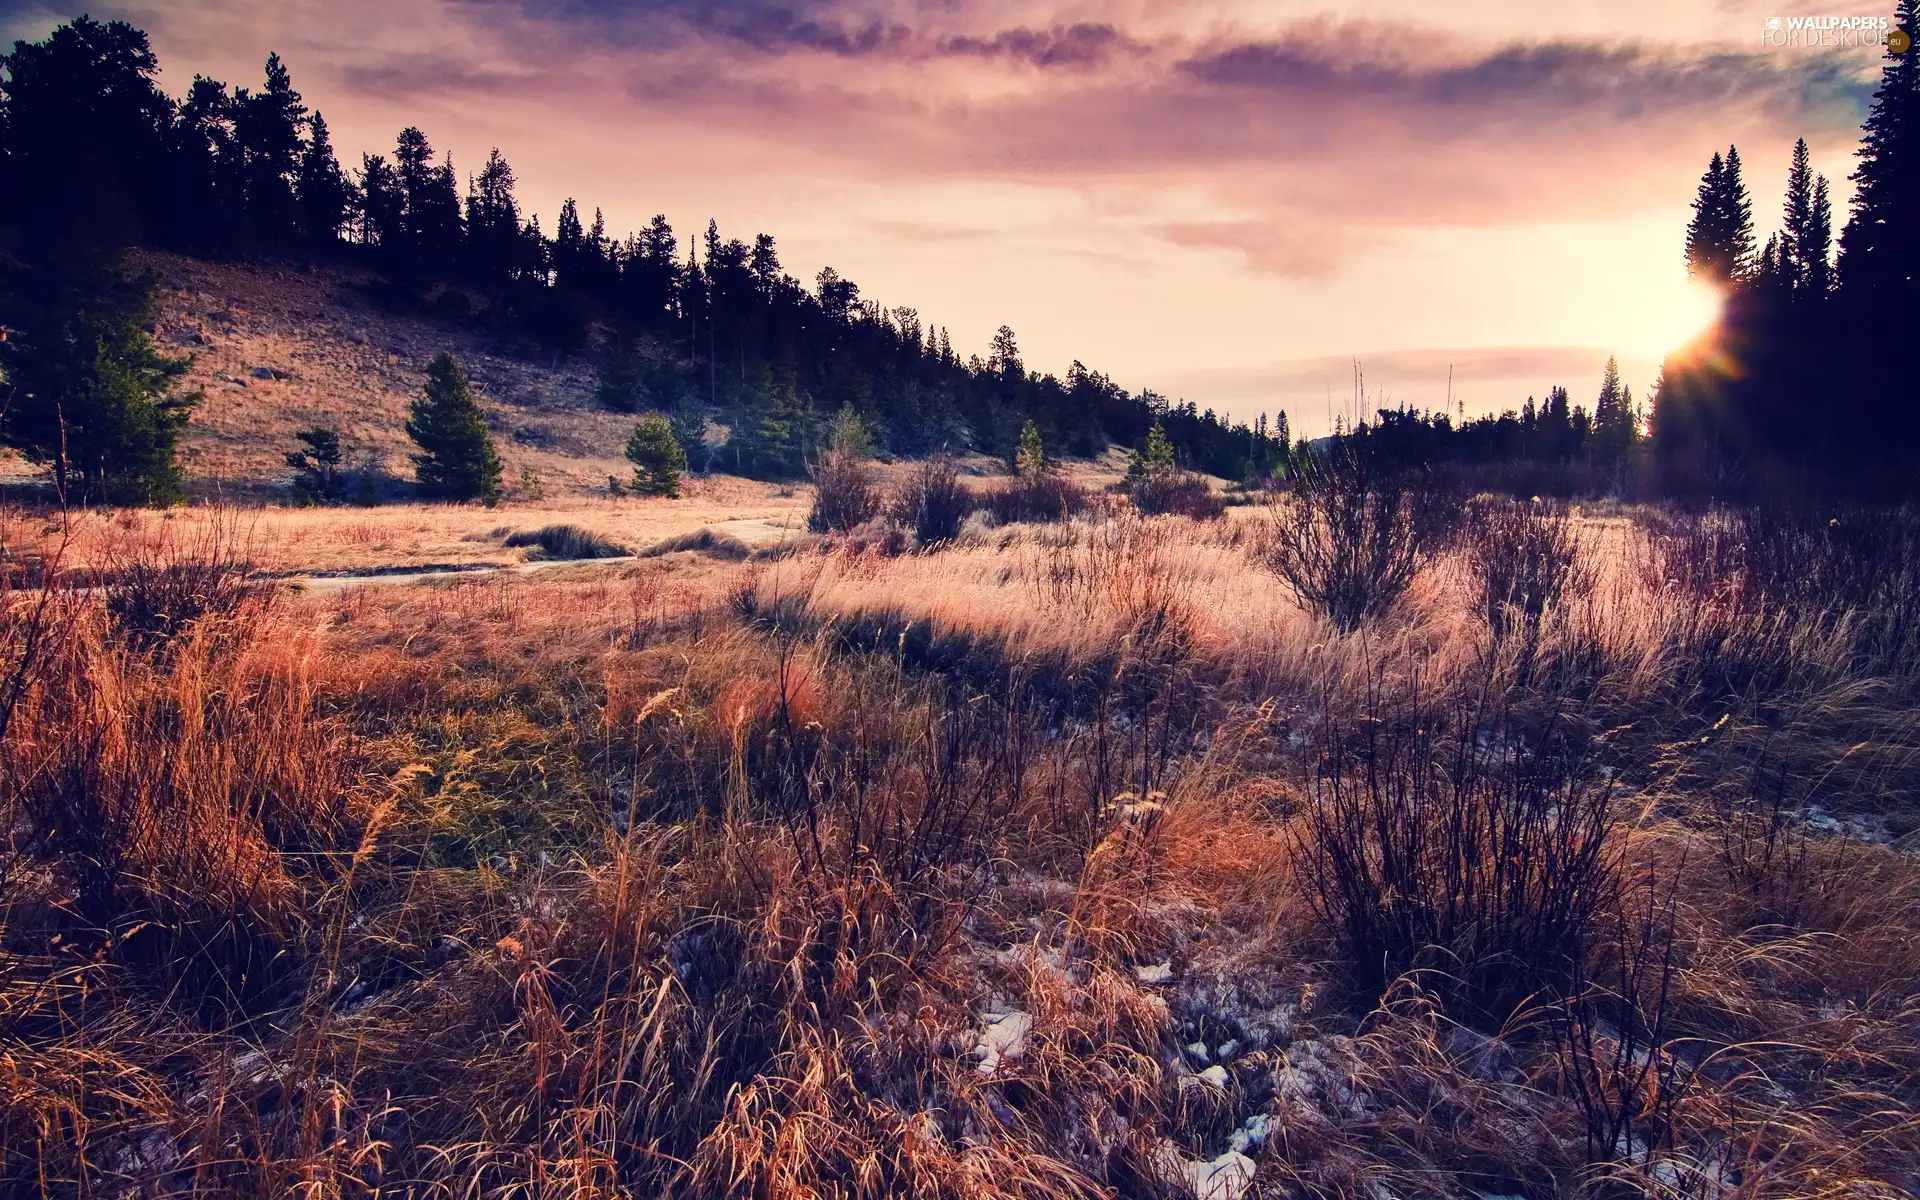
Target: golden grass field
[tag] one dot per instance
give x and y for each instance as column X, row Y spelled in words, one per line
column 999, row 868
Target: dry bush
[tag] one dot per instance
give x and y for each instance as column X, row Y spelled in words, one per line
column 1438, row 840
column 1351, row 538
column 933, row 502
column 845, row 496
column 1038, row 496
column 156, row 589
column 1526, row 558
column 1180, row 493
column 566, row 542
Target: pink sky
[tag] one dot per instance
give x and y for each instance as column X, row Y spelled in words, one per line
column 1226, row 202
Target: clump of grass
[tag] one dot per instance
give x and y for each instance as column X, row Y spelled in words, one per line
column 1526, row 558
column 565, row 542
column 701, row 541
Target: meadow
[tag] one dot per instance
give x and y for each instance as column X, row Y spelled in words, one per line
column 1074, row 858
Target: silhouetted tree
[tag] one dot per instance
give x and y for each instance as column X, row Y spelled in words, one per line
column 325, row 194
column 1720, row 237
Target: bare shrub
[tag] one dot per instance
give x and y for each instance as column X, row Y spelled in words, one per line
column 1181, row 493
column 155, row 591
column 933, row 502
column 566, row 542
column 1038, row 496
column 844, row 497
column 1618, row 1060
column 1525, row 559
column 1351, row 539
column 1465, row 853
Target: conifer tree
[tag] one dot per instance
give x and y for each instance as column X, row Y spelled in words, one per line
column 1152, row 458
column 689, row 423
column 1720, row 236
column 1877, row 246
column 658, row 461
column 325, row 195
column 456, row 460
column 1030, row 458
column 317, row 477
column 91, row 397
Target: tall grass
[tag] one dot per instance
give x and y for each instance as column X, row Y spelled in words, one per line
column 702, row 877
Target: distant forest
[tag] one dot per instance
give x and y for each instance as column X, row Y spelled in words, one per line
column 97, row 159
column 1805, row 387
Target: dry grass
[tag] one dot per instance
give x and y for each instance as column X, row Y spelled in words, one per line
column 998, row 870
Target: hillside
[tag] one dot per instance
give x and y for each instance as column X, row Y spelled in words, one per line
column 277, row 348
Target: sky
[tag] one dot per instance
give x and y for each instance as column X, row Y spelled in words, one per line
column 1229, row 203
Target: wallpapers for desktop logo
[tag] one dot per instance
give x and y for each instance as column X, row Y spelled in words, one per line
column 1834, row 31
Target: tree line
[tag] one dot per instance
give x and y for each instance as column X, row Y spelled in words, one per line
column 96, row 158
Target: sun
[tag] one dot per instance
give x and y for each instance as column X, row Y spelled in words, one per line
column 1675, row 317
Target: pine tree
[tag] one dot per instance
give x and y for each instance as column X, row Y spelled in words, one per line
column 456, row 460
column 325, row 195
column 1877, row 246
column 658, row 461
column 1791, row 263
column 91, row 397
column 689, row 422
column 1031, row 456
column 317, row 477
column 1720, row 236
column 1152, row 458
column 268, row 124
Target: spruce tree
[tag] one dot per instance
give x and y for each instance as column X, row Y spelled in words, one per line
column 658, row 461
column 1720, row 235
column 1877, row 246
column 326, row 196
column 91, row 397
column 456, row 460
column 689, row 423
column 1030, row 457
column 317, row 477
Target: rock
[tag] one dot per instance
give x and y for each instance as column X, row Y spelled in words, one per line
column 222, row 316
column 265, row 373
column 358, row 337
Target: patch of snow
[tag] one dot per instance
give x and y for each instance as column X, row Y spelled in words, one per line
column 1199, row 1051
column 1225, row 1178
column 1214, row 1076
column 1253, row 1132
column 1003, row 1039
column 1161, row 972
column 1226, row 1049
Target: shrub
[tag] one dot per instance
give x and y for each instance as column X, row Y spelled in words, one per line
column 155, row 592
column 658, row 461
column 933, row 502
column 1524, row 557
column 844, row 495
column 1039, row 496
column 1462, row 854
column 704, row 541
column 566, row 542
column 1352, row 538
column 1181, row 493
